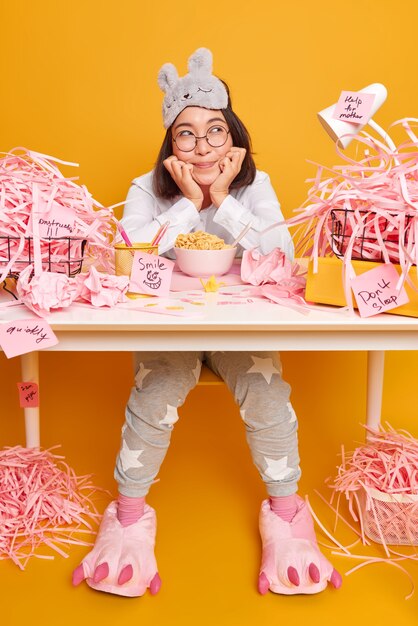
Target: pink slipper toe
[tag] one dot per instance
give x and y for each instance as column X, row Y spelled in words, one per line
column 291, row 560
column 122, row 560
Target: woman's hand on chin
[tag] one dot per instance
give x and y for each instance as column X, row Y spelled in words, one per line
column 181, row 173
column 229, row 166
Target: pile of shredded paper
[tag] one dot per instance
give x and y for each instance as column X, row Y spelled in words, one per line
column 42, row 504
column 367, row 208
column 380, row 483
column 31, row 183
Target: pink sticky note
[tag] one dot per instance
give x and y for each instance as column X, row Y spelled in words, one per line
column 151, row 274
column 58, row 222
column 354, row 107
column 22, row 336
column 375, row 291
column 28, row 395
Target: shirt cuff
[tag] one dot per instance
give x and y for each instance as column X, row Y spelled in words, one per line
column 229, row 212
column 182, row 213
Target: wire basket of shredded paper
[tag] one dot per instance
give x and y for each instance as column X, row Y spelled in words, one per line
column 60, row 254
column 48, row 219
column 380, row 480
column 390, row 518
column 375, row 233
column 366, row 207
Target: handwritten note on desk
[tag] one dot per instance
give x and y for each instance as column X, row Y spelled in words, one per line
column 59, row 222
column 375, row 291
column 22, row 336
column 151, row 274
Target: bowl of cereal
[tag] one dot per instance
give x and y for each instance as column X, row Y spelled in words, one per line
column 202, row 254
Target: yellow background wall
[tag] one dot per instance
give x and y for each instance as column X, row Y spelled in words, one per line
column 78, row 82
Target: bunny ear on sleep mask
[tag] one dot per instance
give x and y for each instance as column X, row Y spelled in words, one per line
column 198, row 88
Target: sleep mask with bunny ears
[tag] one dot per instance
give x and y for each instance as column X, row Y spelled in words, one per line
column 199, row 88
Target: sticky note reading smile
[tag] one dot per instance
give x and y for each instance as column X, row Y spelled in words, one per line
column 151, row 274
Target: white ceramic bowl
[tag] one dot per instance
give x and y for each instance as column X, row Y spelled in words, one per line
column 203, row 263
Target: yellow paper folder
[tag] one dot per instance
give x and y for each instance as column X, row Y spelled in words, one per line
column 326, row 286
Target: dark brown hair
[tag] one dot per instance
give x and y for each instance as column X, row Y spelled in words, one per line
column 163, row 184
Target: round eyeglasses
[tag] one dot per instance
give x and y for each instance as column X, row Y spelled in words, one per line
column 216, row 137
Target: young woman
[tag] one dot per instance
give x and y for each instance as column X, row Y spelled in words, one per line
column 205, row 179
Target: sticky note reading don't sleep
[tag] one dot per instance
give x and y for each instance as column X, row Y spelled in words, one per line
column 28, row 395
column 151, row 274
column 22, row 336
column 375, row 291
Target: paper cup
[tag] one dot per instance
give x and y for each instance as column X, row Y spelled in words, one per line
column 124, row 256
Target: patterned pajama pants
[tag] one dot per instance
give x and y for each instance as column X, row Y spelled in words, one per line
column 162, row 382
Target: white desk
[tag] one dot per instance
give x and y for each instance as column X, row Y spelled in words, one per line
column 260, row 326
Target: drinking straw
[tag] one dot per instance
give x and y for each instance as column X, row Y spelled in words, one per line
column 241, row 235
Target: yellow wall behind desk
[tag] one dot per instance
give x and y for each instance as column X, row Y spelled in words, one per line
column 79, row 82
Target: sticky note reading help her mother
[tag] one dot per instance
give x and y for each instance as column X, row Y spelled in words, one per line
column 28, row 395
column 151, row 274
column 375, row 291
column 22, row 336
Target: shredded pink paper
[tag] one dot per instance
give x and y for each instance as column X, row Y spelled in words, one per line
column 388, row 463
column 42, row 503
column 393, row 557
column 380, row 483
column 374, row 201
column 31, row 184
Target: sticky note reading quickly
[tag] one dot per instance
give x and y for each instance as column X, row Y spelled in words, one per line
column 354, row 107
column 375, row 291
column 151, row 274
column 28, row 395
column 22, row 336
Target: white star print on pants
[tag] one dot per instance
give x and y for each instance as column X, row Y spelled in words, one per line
column 264, row 367
column 164, row 379
column 277, row 469
column 129, row 458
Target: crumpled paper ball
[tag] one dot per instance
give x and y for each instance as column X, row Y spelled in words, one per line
column 102, row 289
column 275, row 277
column 259, row 269
column 49, row 290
